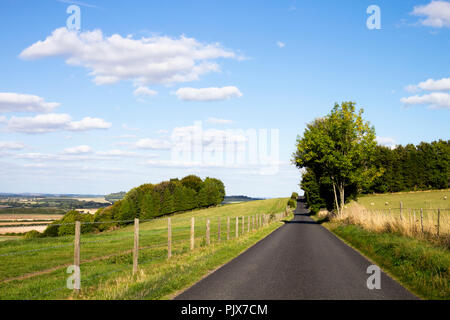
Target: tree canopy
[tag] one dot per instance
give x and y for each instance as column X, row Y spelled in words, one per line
column 337, row 150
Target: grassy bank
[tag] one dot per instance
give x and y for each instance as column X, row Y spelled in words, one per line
column 36, row 268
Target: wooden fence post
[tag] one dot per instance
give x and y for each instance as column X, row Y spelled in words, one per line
column 248, row 228
column 228, row 228
column 218, row 230
column 169, row 238
column 421, row 218
column 136, row 245
column 438, row 221
column 208, row 240
column 237, row 227
column 192, row 233
column 401, row 210
column 243, row 225
column 76, row 257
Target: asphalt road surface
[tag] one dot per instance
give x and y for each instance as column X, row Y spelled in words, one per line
column 300, row 260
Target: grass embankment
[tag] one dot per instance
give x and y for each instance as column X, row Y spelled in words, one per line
column 419, row 260
column 36, row 268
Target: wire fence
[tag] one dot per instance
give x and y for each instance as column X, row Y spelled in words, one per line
column 37, row 269
column 426, row 223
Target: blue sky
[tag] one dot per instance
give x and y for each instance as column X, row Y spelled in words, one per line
column 94, row 110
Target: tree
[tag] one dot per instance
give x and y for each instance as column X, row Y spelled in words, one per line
column 125, row 211
column 192, row 182
column 166, row 202
column 220, row 188
column 149, row 208
column 341, row 148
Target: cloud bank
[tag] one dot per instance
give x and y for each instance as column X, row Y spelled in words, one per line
column 154, row 60
column 208, row 94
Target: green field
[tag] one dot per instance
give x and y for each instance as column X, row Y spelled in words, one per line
column 10, row 238
column 107, row 260
column 434, row 199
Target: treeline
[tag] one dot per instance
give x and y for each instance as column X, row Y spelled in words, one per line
column 146, row 202
column 422, row 167
column 113, row 197
column 425, row 166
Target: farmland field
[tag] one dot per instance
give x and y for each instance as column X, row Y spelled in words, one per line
column 36, row 268
column 432, row 199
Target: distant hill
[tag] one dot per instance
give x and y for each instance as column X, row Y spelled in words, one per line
column 112, row 197
column 232, row 199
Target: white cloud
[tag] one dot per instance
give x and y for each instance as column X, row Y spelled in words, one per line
column 16, row 102
column 88, row 123
column 144, row 92
column 219, row 121
column 386, row 141
column 154, row 60
column 435, row 100
column 185, row 138
column 83, row 149
column 79, row 153
column 208, row 94
column 52, row 122
column 431, row 85
column 437, row 14
column 11, row 145
column 281, row 44
column 116, row 153
column 154, row 144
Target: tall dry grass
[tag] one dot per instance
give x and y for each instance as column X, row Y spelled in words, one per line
column 411, row 223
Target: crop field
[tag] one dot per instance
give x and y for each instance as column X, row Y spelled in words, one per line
column 36, row 268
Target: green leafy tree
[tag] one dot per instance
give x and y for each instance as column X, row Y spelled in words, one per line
column 192, row 182
column 126, row 210
column 341, row 147
column 149, row 209
column 166, row 202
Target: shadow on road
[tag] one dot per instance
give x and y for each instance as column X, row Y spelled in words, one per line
column 298, row 219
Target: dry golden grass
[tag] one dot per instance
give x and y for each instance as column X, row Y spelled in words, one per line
column 21, row 229
column 410, row 222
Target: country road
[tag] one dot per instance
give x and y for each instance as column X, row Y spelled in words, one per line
column 300, row 260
